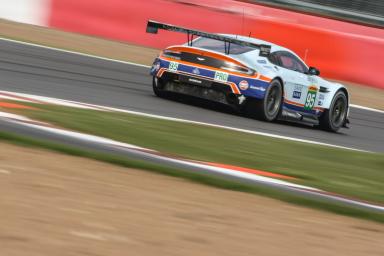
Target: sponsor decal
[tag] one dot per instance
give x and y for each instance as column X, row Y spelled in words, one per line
column 262, row 61
column 196, row 71
column 320, row 103
column 221, row 76
column 268, row 67
column 200, row 59
column 311, row 97
column 296, row 94
column 243, row 85
column 297, row 89
column 173, row 66
column 259, row 88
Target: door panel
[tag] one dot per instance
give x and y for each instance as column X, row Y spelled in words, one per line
column 296, row 87
column 301, row 90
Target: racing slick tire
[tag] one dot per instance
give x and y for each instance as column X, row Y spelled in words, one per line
column 158, row 85
column 269, row 108
column 334, row 117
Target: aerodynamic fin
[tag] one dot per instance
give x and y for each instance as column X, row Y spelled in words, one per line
column 154, row 26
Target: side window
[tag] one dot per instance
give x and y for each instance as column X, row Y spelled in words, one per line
column 274, row 59
column 287, row 62
column 291, row 62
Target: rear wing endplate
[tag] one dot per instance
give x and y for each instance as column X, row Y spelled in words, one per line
column 154, row 26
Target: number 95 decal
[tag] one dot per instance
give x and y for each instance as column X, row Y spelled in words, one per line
column 310, row 99
column 173, row 66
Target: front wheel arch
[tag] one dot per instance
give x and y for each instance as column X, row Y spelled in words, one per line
column 346, row 93
column 327, row 119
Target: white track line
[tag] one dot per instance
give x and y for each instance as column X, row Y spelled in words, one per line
column 129, row 63
column 232, row 129
column 98, row 107
column 367, row 108
column 73, row 52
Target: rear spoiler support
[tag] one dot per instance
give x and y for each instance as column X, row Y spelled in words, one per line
column 154, row 26
column 190, row 38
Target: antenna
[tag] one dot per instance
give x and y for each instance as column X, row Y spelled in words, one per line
column 305, row 55
column 242, row 23
column 250, row 33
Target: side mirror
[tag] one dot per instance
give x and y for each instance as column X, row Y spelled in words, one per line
column 313, row 71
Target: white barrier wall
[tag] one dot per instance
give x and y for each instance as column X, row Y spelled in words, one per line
column 26, row 11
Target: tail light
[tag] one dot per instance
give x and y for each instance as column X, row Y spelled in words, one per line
column 237, row 68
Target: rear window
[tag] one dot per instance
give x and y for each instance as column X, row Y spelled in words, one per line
column 216, row 45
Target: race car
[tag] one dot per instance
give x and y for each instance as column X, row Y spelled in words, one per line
column 263, row 79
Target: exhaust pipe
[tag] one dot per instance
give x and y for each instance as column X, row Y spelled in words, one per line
column 232, row 99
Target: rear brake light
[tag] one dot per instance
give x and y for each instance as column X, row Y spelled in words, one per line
column 239, row 69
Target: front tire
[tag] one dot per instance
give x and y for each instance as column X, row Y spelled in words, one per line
column 269, row 108
column 334, row 117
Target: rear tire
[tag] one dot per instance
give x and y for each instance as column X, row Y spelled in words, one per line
column 158, row 85
column 334, row 117
column 269, row 108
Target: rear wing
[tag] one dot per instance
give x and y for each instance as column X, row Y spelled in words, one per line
column 154, row 26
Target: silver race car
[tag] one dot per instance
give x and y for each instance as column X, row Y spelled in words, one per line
column 263, row 79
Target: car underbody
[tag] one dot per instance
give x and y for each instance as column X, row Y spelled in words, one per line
column 221, row 93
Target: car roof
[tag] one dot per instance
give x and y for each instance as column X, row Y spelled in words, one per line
column 274, row 47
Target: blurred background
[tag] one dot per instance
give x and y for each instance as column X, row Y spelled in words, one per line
column 343, row 38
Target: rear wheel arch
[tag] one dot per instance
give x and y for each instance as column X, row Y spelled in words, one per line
column 157, row 86
column 281, row 82
column 261, row 109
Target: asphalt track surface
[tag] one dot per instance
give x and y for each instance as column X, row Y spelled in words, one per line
column 45, row 72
